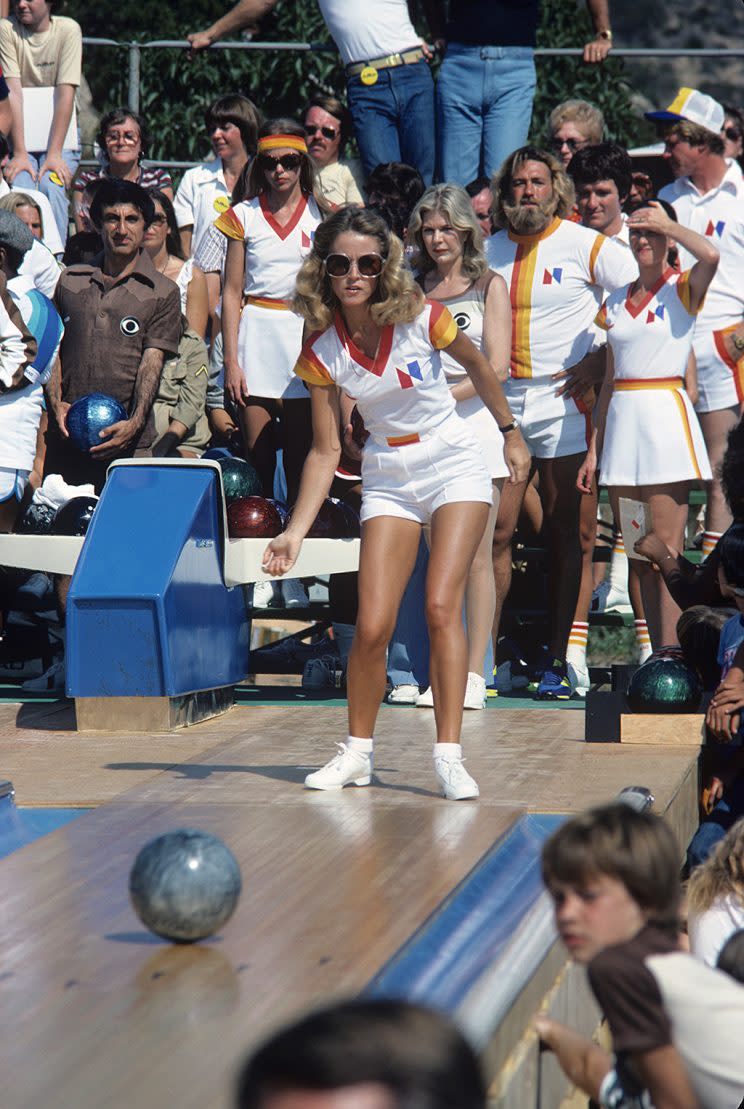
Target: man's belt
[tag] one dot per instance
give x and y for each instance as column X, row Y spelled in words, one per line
column 390, row 61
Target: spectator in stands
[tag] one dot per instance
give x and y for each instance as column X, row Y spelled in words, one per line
column 561, row 270
column 481, row 199
column 390, row 90
column 393, row 189
column 675, row 1023
column 163, row 243
column 232, row 123
column 364, row 1055
column 573, row 125
column 733, row 134
column 487, row 81
column 707, row 197
column 715, row 896
column 328, row 129
column 123, row 140
column 35, row 211
column 41, row 58
column 641, row 188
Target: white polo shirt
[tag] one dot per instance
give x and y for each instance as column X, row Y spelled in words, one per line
column 201, row 197
column 364, row 30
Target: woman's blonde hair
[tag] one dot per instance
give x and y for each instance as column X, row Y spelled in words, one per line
column 721, row 873
column 563, row 190
column 396, row 298
column 587, row 117
column 256, row 176
column 14, row 200
column 453, row 203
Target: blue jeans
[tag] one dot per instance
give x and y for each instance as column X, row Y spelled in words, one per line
column 484, row 107
column 394, row 118
column 408, row 652
column 55, row 194
column 712, row 830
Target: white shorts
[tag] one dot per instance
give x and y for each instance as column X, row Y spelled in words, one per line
column 411, row 482
column 720, row 378
column 652, row 437
column 551, row 426
column 269, row 344
column 12, row 483
column 483, row 426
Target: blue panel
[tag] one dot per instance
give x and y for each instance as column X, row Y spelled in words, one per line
column 21, row 826
column 148, row 612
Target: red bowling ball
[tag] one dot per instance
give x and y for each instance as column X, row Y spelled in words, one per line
column 253, row 518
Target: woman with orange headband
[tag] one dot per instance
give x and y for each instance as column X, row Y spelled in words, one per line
column 269, row 235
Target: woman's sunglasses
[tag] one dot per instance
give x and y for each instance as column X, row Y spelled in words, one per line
column 289, row 162
column 733, row 134
column 326, row 132
column 368, row 265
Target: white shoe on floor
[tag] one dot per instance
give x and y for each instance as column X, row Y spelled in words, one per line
column 347, row 768
column 454, row 780
column 51, row 681
column 578, row 675
column 263, row 594
column 294, row 593
column 403, row 695
column 426, row 699
column 475, row 692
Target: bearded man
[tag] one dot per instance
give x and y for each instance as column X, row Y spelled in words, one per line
column 558, row 274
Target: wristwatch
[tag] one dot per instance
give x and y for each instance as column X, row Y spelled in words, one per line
column 606, row 35
column 508, row 427
column 738, row 342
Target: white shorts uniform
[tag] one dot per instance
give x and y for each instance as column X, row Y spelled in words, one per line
column 12, row 483
column 720, row 377
column 420, row 454
column 652, row 435
column 551, row 426
column 270, row 334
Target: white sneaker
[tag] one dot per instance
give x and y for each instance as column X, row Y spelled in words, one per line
column 455, row 782
column 347, row 768
column 426, row 699
column 403, row 695
column 263, row 594
column 51, row 681
column 578, row 675
column 607, row 599
column 475, row 692
column 294, row 593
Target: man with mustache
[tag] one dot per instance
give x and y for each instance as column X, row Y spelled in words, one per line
column 557, row 273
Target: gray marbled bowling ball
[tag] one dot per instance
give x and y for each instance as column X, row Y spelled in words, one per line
column 184, row 885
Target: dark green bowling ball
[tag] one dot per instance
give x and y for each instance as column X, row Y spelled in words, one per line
column 664, row 685
column 239, row 479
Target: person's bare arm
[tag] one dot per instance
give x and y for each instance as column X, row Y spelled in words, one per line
column 663, row 1074
column 123, row 433
column 197, row 303
column 599, row 47
column 20, row 160
column 244, row 14
column 186, row 234
column 64, row 102
column 53, row 394
column 583, row 1062
column 236, row 388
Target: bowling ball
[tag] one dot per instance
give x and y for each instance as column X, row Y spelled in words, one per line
column 89, row 416
column 331, row 522
column 351, row 516
column 282, row 509
column 36, row 519
column 216, row 453
column 253, row 517
column 184, row 885
column 664, row 685
column 74, row 517
column 239, row 479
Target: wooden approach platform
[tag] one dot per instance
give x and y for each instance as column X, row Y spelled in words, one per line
column 98, row 1013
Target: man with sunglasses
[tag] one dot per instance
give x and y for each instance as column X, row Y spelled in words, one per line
column 327, row 124
column 389, row 84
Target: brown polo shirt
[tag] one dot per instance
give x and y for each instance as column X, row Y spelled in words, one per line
column 109, row 325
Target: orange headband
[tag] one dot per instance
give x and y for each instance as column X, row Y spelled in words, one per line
column 272, row 142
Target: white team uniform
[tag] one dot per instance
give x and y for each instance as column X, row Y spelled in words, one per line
column 201, row 197
column 652, row 435
column 270, row 334
column 420, row 454
column 556, row 281
column 467, row 310
column 719, row 215
column 362, row 30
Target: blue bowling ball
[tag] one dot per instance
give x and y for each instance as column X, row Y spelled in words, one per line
column 184, row 885
column 89, row 415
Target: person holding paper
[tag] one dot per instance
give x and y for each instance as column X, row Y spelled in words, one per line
column 647, row 437
column 41, row 57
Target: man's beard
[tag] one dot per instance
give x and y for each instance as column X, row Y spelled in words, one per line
column 532, row 218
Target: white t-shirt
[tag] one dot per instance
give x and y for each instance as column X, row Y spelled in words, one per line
column 42, row 267
column 364, row 29
column 709, row 930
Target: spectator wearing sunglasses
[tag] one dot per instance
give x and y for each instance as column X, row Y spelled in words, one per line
column 733, row 134
column 327, row 130
column 573, row 125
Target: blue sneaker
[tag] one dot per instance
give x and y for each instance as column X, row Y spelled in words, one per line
column 555, row 684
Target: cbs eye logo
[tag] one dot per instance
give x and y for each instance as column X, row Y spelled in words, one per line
column 130, row 325
column 462, row 319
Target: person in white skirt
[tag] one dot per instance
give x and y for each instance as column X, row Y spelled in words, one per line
column 647, row 437
column 448, row 254
column 269, row 236
column 375, row 338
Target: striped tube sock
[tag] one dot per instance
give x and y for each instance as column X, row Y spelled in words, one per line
column 643, row 639
column 577, row 637
column 710, row 538
column 619, row 566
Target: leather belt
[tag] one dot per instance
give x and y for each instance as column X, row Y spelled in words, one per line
column 390, row 61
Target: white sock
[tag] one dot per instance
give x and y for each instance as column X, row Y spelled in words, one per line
column 360, row 746
column 447, row 751
column 619, row 566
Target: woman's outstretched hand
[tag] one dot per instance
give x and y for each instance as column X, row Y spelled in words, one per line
column 281, row 555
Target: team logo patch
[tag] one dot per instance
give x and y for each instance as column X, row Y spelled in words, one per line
column 406, row 381
column 462, row 319
column 221, row 204
column 715, row 228
column 307, row 240
column 553, row 275
column 130, row 325
column 656, row 314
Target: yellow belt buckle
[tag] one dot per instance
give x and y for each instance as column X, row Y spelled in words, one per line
column 369, row 75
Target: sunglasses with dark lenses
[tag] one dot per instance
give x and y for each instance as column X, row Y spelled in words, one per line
column 368, row 265
column 326, row 132
column 572, row 144
column 287, row 161
column 733, row 134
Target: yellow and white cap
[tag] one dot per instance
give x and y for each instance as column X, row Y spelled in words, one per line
column 695, row 107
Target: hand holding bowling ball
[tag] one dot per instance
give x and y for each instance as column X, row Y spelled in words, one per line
column 252, row 518
column 89, row 416
column 184, row 885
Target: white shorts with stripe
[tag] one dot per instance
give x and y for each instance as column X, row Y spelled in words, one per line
column 720, row 378
column 12, row 483
column 652, row 435
column 551, row 426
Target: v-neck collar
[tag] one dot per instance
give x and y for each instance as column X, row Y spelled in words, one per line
column 375, row 365
column 286, row 229
column 635, row 309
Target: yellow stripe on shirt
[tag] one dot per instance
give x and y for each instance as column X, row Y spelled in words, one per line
column 229, row 224
column 688, row 433
column 311, row 369
column 442, row 327
column 520, row 295
column 596, row 247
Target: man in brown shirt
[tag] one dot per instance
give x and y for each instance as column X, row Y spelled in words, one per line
column 122, row 318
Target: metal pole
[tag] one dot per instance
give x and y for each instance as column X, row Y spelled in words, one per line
column 133, row 92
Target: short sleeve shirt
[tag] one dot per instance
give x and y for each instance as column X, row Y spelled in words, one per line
column 51, row 58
